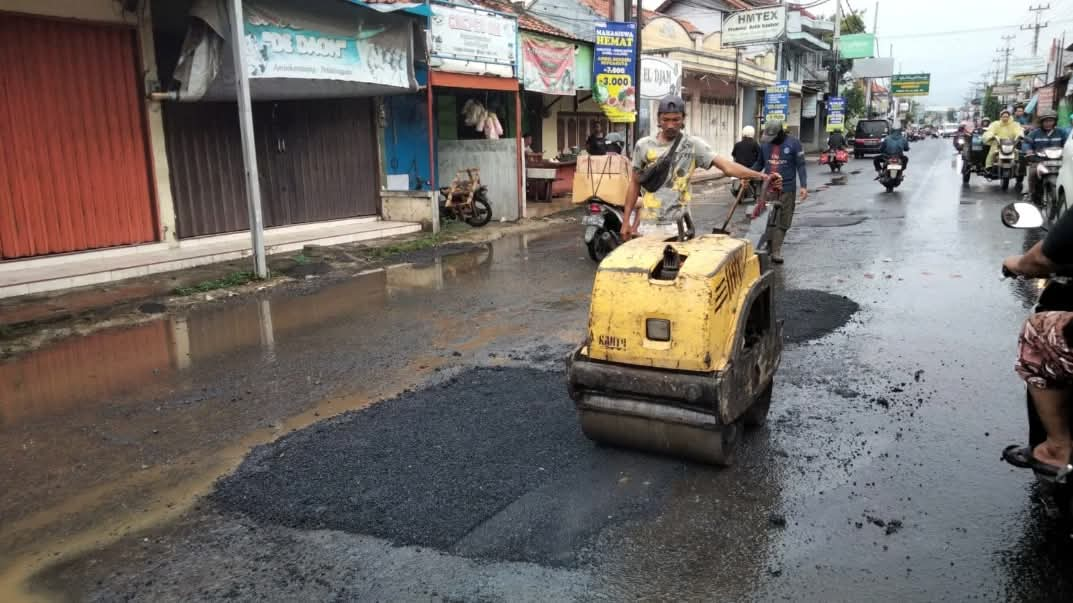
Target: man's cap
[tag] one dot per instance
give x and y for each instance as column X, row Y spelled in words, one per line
column 771, row 130
column 1047, row 114
column 671, row 104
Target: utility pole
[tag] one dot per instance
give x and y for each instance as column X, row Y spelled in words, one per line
column 833, row 86
column 249, row 149
column 868, row 81
column 1008, row 50
column 1036, row 27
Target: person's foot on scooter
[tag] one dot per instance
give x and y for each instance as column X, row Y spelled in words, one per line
column 1053, row 452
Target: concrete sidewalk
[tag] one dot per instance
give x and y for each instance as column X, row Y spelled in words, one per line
column 68, row 271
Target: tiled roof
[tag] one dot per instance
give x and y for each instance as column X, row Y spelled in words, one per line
column 602, row 8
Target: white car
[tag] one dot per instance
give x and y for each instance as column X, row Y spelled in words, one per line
column 1065, row 178
column 949, row 130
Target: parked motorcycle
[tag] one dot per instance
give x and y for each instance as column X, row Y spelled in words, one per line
column 892, row 173
column 603, row 226
column 1055, row 490
column 751, row 191
column 1047, row 164
column 466, row 199
column 834, row 159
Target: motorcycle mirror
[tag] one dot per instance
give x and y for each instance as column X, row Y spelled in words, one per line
column 1022, row 215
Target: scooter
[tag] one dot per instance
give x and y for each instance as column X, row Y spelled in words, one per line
column 751, row 191
column 892, row 173
column 1047, row 164
column 603, row 225
column 1006, row 163
column 1056, row 487
column 834, row 159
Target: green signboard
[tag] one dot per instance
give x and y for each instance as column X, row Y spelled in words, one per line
column 910, row 84
column 857, row 46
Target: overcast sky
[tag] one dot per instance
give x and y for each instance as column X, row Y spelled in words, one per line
column 956, row 57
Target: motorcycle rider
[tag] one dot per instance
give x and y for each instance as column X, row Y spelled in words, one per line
column 1004, row 128
column 894, row 145
column 1045, row 355
column 1046, row 136
column 747, row 150
column 1020, row 116
column 836, row 140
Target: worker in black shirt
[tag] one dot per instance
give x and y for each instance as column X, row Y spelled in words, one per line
column 747, row 150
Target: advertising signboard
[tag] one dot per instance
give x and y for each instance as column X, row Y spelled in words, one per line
column 614, row 71
column 754, row 26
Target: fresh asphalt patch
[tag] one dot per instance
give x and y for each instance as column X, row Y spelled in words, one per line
column 476, row 464
column 810, row 314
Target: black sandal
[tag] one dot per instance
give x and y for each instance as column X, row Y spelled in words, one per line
column 1021, row 456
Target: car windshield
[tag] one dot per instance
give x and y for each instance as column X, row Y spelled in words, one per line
column 871, row 128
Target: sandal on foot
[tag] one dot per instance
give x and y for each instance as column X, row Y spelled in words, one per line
column 1021, row 456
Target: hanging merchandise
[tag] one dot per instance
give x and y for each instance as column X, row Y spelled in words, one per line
column 484, row 121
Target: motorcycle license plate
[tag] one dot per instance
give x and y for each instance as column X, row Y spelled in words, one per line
column 592, row 220
column 590, row 233
column 894, row 167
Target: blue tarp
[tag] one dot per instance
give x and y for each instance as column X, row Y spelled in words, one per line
column 1030, row 108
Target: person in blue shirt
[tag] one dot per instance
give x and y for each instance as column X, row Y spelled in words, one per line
column 894, row 145
column 1020, row 116
column 1046, row 136
column 782, row 154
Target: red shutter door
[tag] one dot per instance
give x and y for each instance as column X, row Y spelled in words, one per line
column 74, row 169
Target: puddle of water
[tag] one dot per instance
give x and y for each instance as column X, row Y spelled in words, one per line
column 90, row 380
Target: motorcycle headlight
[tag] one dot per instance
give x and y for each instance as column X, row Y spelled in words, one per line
column 1007, row 148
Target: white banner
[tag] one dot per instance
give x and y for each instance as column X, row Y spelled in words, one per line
column 660, row 77
column 469, row 34
column 883, row 67
column 1027, row 66
column 755, row 26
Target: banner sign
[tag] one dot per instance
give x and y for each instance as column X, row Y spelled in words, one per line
column 910, row 84
column 470, row 34
column 754, row 26
column 614, row 70
column 777, row 102
column 548, row 65
column 1021, row 66
column 660, row 77
column 1007, row 89
column 836, row 113
column 880, row 67
column 281, row 47
column 857, row 46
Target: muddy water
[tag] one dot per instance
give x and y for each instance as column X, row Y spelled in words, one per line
column 109, row 433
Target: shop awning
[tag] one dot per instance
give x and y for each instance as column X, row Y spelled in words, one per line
column 446, row 79
column 415, row 8
column 319, row 49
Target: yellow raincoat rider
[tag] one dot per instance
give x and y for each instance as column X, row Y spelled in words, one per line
column 1002, row 129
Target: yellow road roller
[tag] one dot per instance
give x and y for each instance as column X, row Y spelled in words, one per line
column 682, row 347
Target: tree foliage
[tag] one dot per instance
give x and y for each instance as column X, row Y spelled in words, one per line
column 854, row 95
column 991, row 105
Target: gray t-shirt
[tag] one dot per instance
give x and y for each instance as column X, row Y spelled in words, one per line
column 668, row 203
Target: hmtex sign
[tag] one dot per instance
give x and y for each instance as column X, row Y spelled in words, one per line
column 754, row 26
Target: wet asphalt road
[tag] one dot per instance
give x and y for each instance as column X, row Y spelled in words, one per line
column 877, row 477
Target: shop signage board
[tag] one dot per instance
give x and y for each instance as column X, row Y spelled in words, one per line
column 614, row 71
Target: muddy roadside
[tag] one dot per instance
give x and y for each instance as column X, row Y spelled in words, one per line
column 32, row 321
